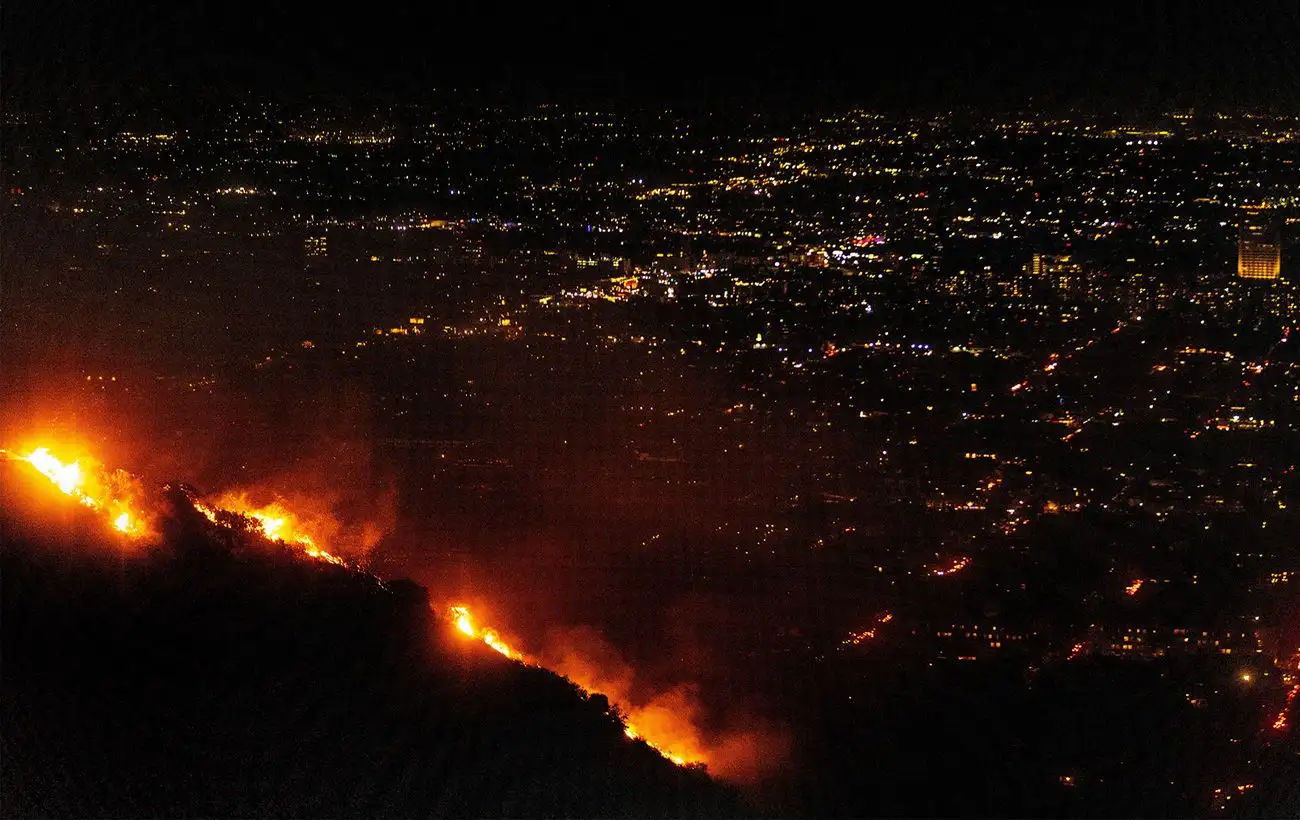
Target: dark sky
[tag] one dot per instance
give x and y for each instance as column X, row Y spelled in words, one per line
column 1201, row 52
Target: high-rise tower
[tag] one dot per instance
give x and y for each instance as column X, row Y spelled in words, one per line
column 1259, row 248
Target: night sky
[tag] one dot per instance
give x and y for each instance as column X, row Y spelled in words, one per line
column 1222, row 54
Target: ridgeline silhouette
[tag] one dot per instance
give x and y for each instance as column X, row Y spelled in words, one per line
column 218, row 675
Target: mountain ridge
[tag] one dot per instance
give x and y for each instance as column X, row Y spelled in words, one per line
column 208, row 676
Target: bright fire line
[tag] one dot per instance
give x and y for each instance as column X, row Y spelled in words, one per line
column 464, row 622
column 275, row 523
column 92, row 488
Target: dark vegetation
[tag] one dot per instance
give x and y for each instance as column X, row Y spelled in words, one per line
column 220, row 676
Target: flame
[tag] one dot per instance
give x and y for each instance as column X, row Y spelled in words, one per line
column 641, row 724
column 91, row 486
column 112, row 494
column 1132, row 589
column 67, row 477
column 206, row 511
column 858, row 638
column 464, row 622
column 274, row 521
column 952, row 569
column 1283, row 720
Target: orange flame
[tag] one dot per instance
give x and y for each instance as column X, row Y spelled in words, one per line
column 91, row 486
column 464, row 622
column 274, row 521
column 112, row 494
column 952, row 569
column 858, row 638
column 1132, row 589
column 643, row 724
column 1283, row 720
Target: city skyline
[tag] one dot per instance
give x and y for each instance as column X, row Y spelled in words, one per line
column 663, row 412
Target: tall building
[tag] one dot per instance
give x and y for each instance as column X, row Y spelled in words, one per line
column 1259, row 247
column 1037, row 265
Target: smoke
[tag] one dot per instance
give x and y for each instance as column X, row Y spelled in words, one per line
column 737, row 745
column 346, row 525
column 317, row 463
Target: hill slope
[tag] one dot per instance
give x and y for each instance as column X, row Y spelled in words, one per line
column 233, row 679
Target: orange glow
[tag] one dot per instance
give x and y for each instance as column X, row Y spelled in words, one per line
column 465, row 623
column 952, row 569
column 1132, row 589
column 92, row 486
column 1283, row 720
column 859, row 638
column 658, row 724
column 274, row 521
column 666, row 722
column 206, row 511
column 113, row 493
column 67, row 477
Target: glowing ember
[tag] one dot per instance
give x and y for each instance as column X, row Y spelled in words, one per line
column 952, row 569
column 464, row 622
column 859, row 638
column 1283, row 720
column 1132, row 589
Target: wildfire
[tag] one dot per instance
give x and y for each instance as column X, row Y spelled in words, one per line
column 461, row 618
column 952, row 569
column 632, row 734
column 1132, row 589
column 112, row 493
column 91, row 486
column 659, row 724
column 274, row 521
column 859, row 638
column 1283, row 720
column 633, row 725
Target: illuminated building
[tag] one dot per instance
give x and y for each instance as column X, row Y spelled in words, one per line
column 1259, row 251
column 1037, row 264
column 315, row 246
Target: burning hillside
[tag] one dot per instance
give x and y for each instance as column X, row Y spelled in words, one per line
column 663, row 722
column 213, row 657
column 111, row 493
column 667, row 731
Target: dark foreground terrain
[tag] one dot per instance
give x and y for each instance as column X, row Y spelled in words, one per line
column 222, row 676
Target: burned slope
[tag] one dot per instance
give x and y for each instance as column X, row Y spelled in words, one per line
column 221, row 676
